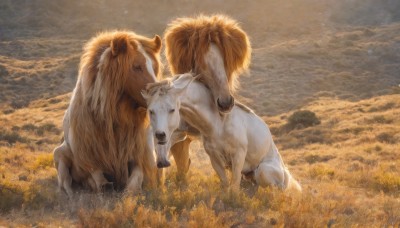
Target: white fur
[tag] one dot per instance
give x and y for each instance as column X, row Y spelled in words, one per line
column 149, row 63
column 215, row 61
column 239, row 139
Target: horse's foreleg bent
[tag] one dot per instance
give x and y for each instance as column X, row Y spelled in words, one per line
column 62, row 161
column 135, row 180
column 180, row 151
column 269, row 174
column 64, row 178
column 99, row 180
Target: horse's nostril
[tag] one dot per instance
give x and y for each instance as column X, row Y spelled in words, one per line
column 163, row 164
column 160, row 135
column 220, row 105
column 225, row 105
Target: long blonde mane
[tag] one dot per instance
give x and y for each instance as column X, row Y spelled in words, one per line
column 187, row 40
column 108, row 132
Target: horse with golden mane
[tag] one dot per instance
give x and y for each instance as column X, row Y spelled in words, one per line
column 106, row 125
column 214, row 47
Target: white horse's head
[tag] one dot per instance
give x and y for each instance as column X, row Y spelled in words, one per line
column 163, row 102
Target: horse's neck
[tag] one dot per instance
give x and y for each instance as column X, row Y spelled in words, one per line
column 198, row 109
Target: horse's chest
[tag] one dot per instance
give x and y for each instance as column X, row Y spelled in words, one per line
column 218, row 150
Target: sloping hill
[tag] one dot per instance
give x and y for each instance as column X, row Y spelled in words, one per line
column 339, row 59
column 347, row 165
column 302, row 49
column 351, row 64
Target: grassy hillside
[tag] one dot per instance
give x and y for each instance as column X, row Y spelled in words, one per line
column 347, row 165
column 352, row 64
column 338, row 59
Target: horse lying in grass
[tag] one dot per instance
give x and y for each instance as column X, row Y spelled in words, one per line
column 238, row 140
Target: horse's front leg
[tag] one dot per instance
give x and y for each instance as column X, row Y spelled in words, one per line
column 180, row 152
column 99, row 181
column 62, row 156
column 238, row 158
column 218, row 166
column 135, row 180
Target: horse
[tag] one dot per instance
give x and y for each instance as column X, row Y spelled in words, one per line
column 239, row 140
column 214, row 46
column 106, row 124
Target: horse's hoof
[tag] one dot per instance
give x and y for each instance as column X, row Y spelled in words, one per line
column 108, row 187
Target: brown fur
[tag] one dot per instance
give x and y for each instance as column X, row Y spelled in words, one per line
column 188, row 39
column 103, row 128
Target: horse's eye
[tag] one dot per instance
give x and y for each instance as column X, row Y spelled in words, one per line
column 171, row 110
column 137, row 68
column 151, row 112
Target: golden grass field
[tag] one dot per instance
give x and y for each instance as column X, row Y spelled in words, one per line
column 338, row 59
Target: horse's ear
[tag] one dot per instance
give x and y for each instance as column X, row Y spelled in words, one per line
column 119, row 45
column 182, row 82
column 157, row 43
column 195, row 77
column 145, row 95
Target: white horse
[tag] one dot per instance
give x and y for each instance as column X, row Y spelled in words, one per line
column 239, row 140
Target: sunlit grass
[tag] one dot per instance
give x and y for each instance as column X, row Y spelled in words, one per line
column 348, row 163
column 350, row 179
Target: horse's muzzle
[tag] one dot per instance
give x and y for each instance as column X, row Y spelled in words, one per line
column 163, row 164
column 225, row 105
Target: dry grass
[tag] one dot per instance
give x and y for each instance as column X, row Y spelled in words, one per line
column 352, row 180
column 307, row 55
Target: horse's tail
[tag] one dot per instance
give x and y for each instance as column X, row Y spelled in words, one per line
column 290, row 182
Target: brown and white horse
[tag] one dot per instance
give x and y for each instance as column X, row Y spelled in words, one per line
column 214, row 47
column 106, row 125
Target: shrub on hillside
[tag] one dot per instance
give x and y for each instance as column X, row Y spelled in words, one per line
column 11, row 196
column 40, row 130
column 49, row 127
column 302, row 119
column 11, row 137
column 386, row 137
column 8, row 111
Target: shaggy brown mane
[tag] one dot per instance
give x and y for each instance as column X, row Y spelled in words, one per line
column 188, row 39
column 108, row 132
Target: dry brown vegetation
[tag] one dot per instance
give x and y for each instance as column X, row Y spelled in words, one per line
column 340, row 64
